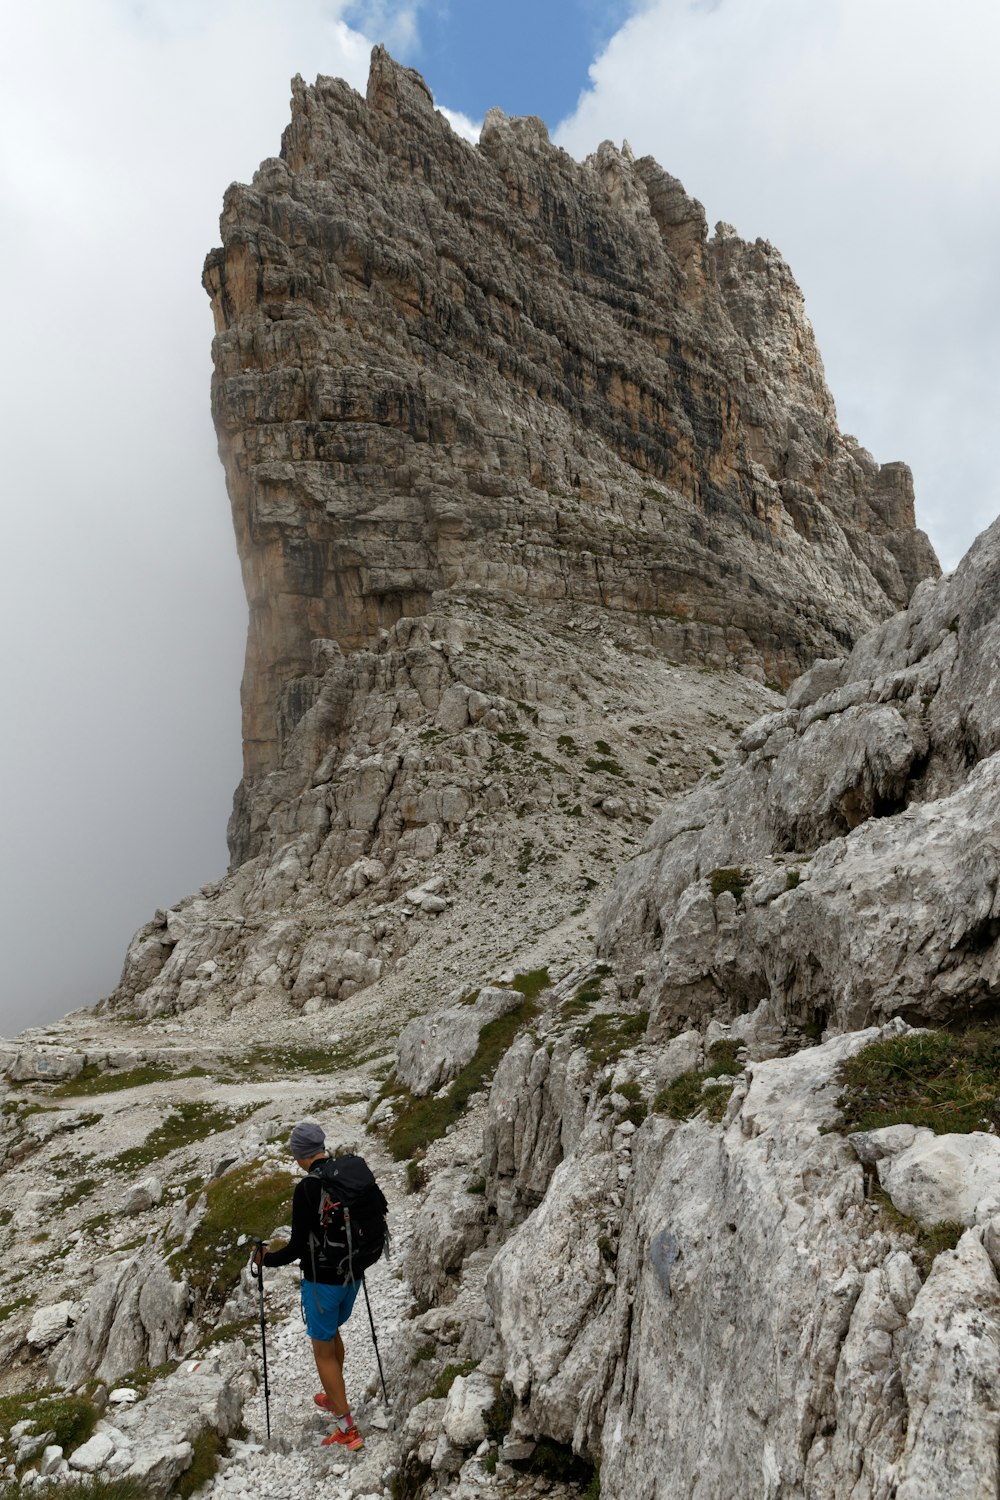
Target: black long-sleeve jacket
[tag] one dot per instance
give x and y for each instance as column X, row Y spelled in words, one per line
column 305, row 1228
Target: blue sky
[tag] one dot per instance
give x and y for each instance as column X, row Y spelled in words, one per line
column 527, row 56
column 861, row 137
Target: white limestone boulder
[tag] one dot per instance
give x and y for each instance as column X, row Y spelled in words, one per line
column 45, row 1065
column 162, row 1429
column 938, row 1178
column 950, row 1369
column 143, row 1196
column 537, row 1107
column 422, row 1428
column 49, row 1324
column 433, row 1048
column 734, row 1242
column 136, row 1315
column 50, row 1460
column 93, row 1454
column 470, row 1397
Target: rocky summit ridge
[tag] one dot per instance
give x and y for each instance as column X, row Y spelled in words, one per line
column 661, row 1001
column 493, row 368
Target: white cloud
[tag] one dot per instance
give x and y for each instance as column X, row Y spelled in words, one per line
column 120, row 599
column 863, row 138
column 461, row 124
column 392, row 22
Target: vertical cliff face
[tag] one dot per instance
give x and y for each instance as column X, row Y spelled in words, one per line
column 494, row 368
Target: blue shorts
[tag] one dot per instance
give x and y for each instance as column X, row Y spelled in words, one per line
column 326, row 1307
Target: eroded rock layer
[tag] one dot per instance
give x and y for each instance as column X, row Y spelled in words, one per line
column 845, row 866
column 440, row 365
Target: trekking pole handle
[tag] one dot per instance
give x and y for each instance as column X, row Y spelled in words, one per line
column 256, row 1266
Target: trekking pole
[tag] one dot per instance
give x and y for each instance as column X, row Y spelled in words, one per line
column 257, row 1272
column 364, row 1287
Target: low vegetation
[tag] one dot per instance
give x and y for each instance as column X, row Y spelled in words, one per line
column 557, row 1462
column 731, row 879
column 10, row 1308
column 636, row 1111
column 208, row 1447
column 245, row 1201
column 185, row 1124
column 96, row 1080
column 497, row 1417
column 447, row 1378
column 579, row 1004
column 683, row 1098
column 417, row 1122
column 92, row 1488
column 606, row 1036
column 944, row 1080
column 928, row 1241
column 71, row 1419
column 263, row 1063
column 416, row 1175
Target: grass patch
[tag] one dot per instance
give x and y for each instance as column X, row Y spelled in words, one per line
column 608, row 767
column 637, row 1110
column 71, row 1419
column 263, row 1063
column 792, row 879
column 420, row 1121
column 208, row 1446
column 10, row 1308
column 586, row 996
column 928, row 1241
column 81, row 1189
column 244, row 1201
column 530, row 985
column 416, row 1175
column 499, row 1415
column 447, row 1379
column 185, row 1124
column 607, row 1036
column 240, row 1328
column 730, row 879
column 95, row 1080
column 683, row 1098
column 943, row 1080
column 91, row 1488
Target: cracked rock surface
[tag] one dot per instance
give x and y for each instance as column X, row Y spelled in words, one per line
column 853, row 837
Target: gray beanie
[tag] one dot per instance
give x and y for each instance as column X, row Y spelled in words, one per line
column 306, row 1139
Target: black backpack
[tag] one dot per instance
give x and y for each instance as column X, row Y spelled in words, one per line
column 352, row 1232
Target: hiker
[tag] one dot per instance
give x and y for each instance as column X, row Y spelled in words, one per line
column 327, row 1293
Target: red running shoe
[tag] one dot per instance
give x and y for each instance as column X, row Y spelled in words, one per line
column 350, row 1439
column 322, row 1399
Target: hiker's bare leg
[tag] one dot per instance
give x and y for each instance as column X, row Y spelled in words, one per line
column 330, row 1368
